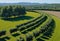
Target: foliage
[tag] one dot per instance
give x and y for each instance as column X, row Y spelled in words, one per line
column 8, row 11
column 54, row 7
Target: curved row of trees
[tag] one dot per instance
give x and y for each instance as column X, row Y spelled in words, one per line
column 8, row 11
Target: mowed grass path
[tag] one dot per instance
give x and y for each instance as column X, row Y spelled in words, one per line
column 56, row 34
column 6, row 25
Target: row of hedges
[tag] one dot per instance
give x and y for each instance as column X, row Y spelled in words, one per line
column 15, row 29
column 30, row 23
column 34, row 25
column 11, row 31
column 35, row 31
column 46, row 30
column 27, row 23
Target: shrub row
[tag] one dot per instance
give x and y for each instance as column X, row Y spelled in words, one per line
column 21, row 25
column 30, row 24
column 47, row 30
column 14, row 31
column 35, row 25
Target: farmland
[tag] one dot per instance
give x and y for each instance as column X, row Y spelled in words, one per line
column 34, row 25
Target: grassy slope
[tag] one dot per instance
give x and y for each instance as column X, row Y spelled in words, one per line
column 56, row 34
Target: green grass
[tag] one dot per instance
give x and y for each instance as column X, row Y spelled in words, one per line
column 56, row 34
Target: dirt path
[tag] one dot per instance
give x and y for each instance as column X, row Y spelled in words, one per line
column 56, row 13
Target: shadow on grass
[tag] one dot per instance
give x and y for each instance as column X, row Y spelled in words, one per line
column 18, row 18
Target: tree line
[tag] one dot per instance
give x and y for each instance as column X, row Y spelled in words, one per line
column 53, row 7
column 8, row 11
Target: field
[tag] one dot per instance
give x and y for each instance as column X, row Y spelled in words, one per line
column 55, row 13
column 39, row 26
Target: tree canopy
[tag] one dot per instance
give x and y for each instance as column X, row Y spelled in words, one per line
column 8, row 11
